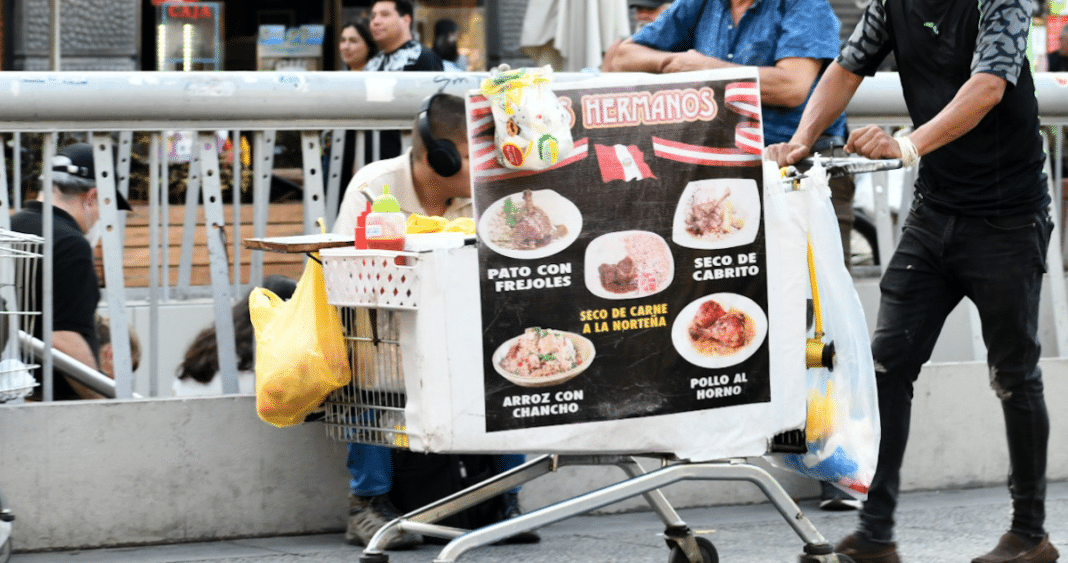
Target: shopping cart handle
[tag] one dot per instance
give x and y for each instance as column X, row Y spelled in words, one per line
column 844, row 166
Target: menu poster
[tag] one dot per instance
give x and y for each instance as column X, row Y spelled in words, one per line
column 628, row 279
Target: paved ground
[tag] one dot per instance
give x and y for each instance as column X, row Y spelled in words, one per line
column 935, row 527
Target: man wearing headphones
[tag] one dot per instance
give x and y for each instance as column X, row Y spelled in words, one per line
column 431, row 178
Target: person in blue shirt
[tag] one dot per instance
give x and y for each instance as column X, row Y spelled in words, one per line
column 789, row 41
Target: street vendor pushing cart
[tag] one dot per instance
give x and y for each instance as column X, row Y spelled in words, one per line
column 979, row 228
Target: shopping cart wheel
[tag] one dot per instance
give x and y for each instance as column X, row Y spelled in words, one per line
column 708, row 553
column 369, row 558
column 823, row 553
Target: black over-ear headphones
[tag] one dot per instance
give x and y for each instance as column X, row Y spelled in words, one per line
column 442, row 155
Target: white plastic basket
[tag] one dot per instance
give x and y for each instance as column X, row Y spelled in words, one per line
column 371, row 278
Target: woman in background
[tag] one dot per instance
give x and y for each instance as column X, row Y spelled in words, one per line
column 198, row 374
column 356, row 44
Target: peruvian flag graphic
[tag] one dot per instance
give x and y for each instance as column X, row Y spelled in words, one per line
column 622, row 162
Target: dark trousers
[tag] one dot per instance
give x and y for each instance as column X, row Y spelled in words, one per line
column 998, row 263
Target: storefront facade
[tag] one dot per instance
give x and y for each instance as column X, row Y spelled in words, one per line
column 126, row 34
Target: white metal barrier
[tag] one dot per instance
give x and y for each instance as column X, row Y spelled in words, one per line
column 266, row 102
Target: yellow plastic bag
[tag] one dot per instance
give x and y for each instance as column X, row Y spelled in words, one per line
column 418, row 224
column 465, row 225
column 300, row 349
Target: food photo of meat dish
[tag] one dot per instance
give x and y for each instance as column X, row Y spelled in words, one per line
column 619, row 278
column 717, row 213
column 532, row 224
column 541, row 357
column 628, row 264
column 719, row 330
column 714, row 218
column 530, row 227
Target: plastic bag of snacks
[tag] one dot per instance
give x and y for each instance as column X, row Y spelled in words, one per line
column 533, row 129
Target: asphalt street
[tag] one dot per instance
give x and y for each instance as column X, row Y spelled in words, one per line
column 951, row 526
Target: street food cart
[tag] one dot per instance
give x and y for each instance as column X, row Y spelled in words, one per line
column 644, row 293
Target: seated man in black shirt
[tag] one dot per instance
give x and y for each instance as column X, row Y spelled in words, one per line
column 75, row 289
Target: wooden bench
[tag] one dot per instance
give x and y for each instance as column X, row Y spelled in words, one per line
column 283, row 219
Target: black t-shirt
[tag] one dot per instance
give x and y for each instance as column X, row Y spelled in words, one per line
column 75, row 288
column 996, row 168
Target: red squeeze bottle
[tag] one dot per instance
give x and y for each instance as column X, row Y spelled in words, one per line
column 386, row 225
column 361, row 226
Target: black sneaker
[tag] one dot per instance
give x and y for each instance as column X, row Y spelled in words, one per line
column 367, row 515
column 512, row 510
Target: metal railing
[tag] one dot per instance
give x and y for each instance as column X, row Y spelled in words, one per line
column 113, row 105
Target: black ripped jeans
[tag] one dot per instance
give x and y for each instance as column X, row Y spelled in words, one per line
column 997, row 263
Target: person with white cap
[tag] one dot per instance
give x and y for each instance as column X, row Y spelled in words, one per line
column 75, row 288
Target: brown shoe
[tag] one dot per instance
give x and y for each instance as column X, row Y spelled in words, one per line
column 367, row 515
column 864, row 551
column 1011, row 548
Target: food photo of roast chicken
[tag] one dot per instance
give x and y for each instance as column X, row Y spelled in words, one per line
column 717, row 213
column 719, row 330
column 531, row 224
column 628, row 264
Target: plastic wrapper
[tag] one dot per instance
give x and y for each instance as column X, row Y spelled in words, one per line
column 300, row 349
column 842, row 428
column 532, row 128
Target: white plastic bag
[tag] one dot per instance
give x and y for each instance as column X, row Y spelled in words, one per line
column 532, row 129
column 842, row 430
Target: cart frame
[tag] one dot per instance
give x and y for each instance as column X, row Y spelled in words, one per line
column 639, row 482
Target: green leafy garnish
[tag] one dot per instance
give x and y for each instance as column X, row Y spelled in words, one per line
column 511, row 212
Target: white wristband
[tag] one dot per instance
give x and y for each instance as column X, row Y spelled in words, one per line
column 909, row 155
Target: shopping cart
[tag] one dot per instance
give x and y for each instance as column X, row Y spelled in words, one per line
column 384, row 308
column 19, row 254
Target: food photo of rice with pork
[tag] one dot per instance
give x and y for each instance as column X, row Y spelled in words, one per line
column 541, row 353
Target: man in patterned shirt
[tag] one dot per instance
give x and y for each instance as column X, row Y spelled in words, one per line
column 979, row 228
column 391, row 28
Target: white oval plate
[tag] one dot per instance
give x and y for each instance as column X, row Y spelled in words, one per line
column 680, row 330
column 560, row 211
column 582, row 345
column 609, row 249
column 745, row 198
